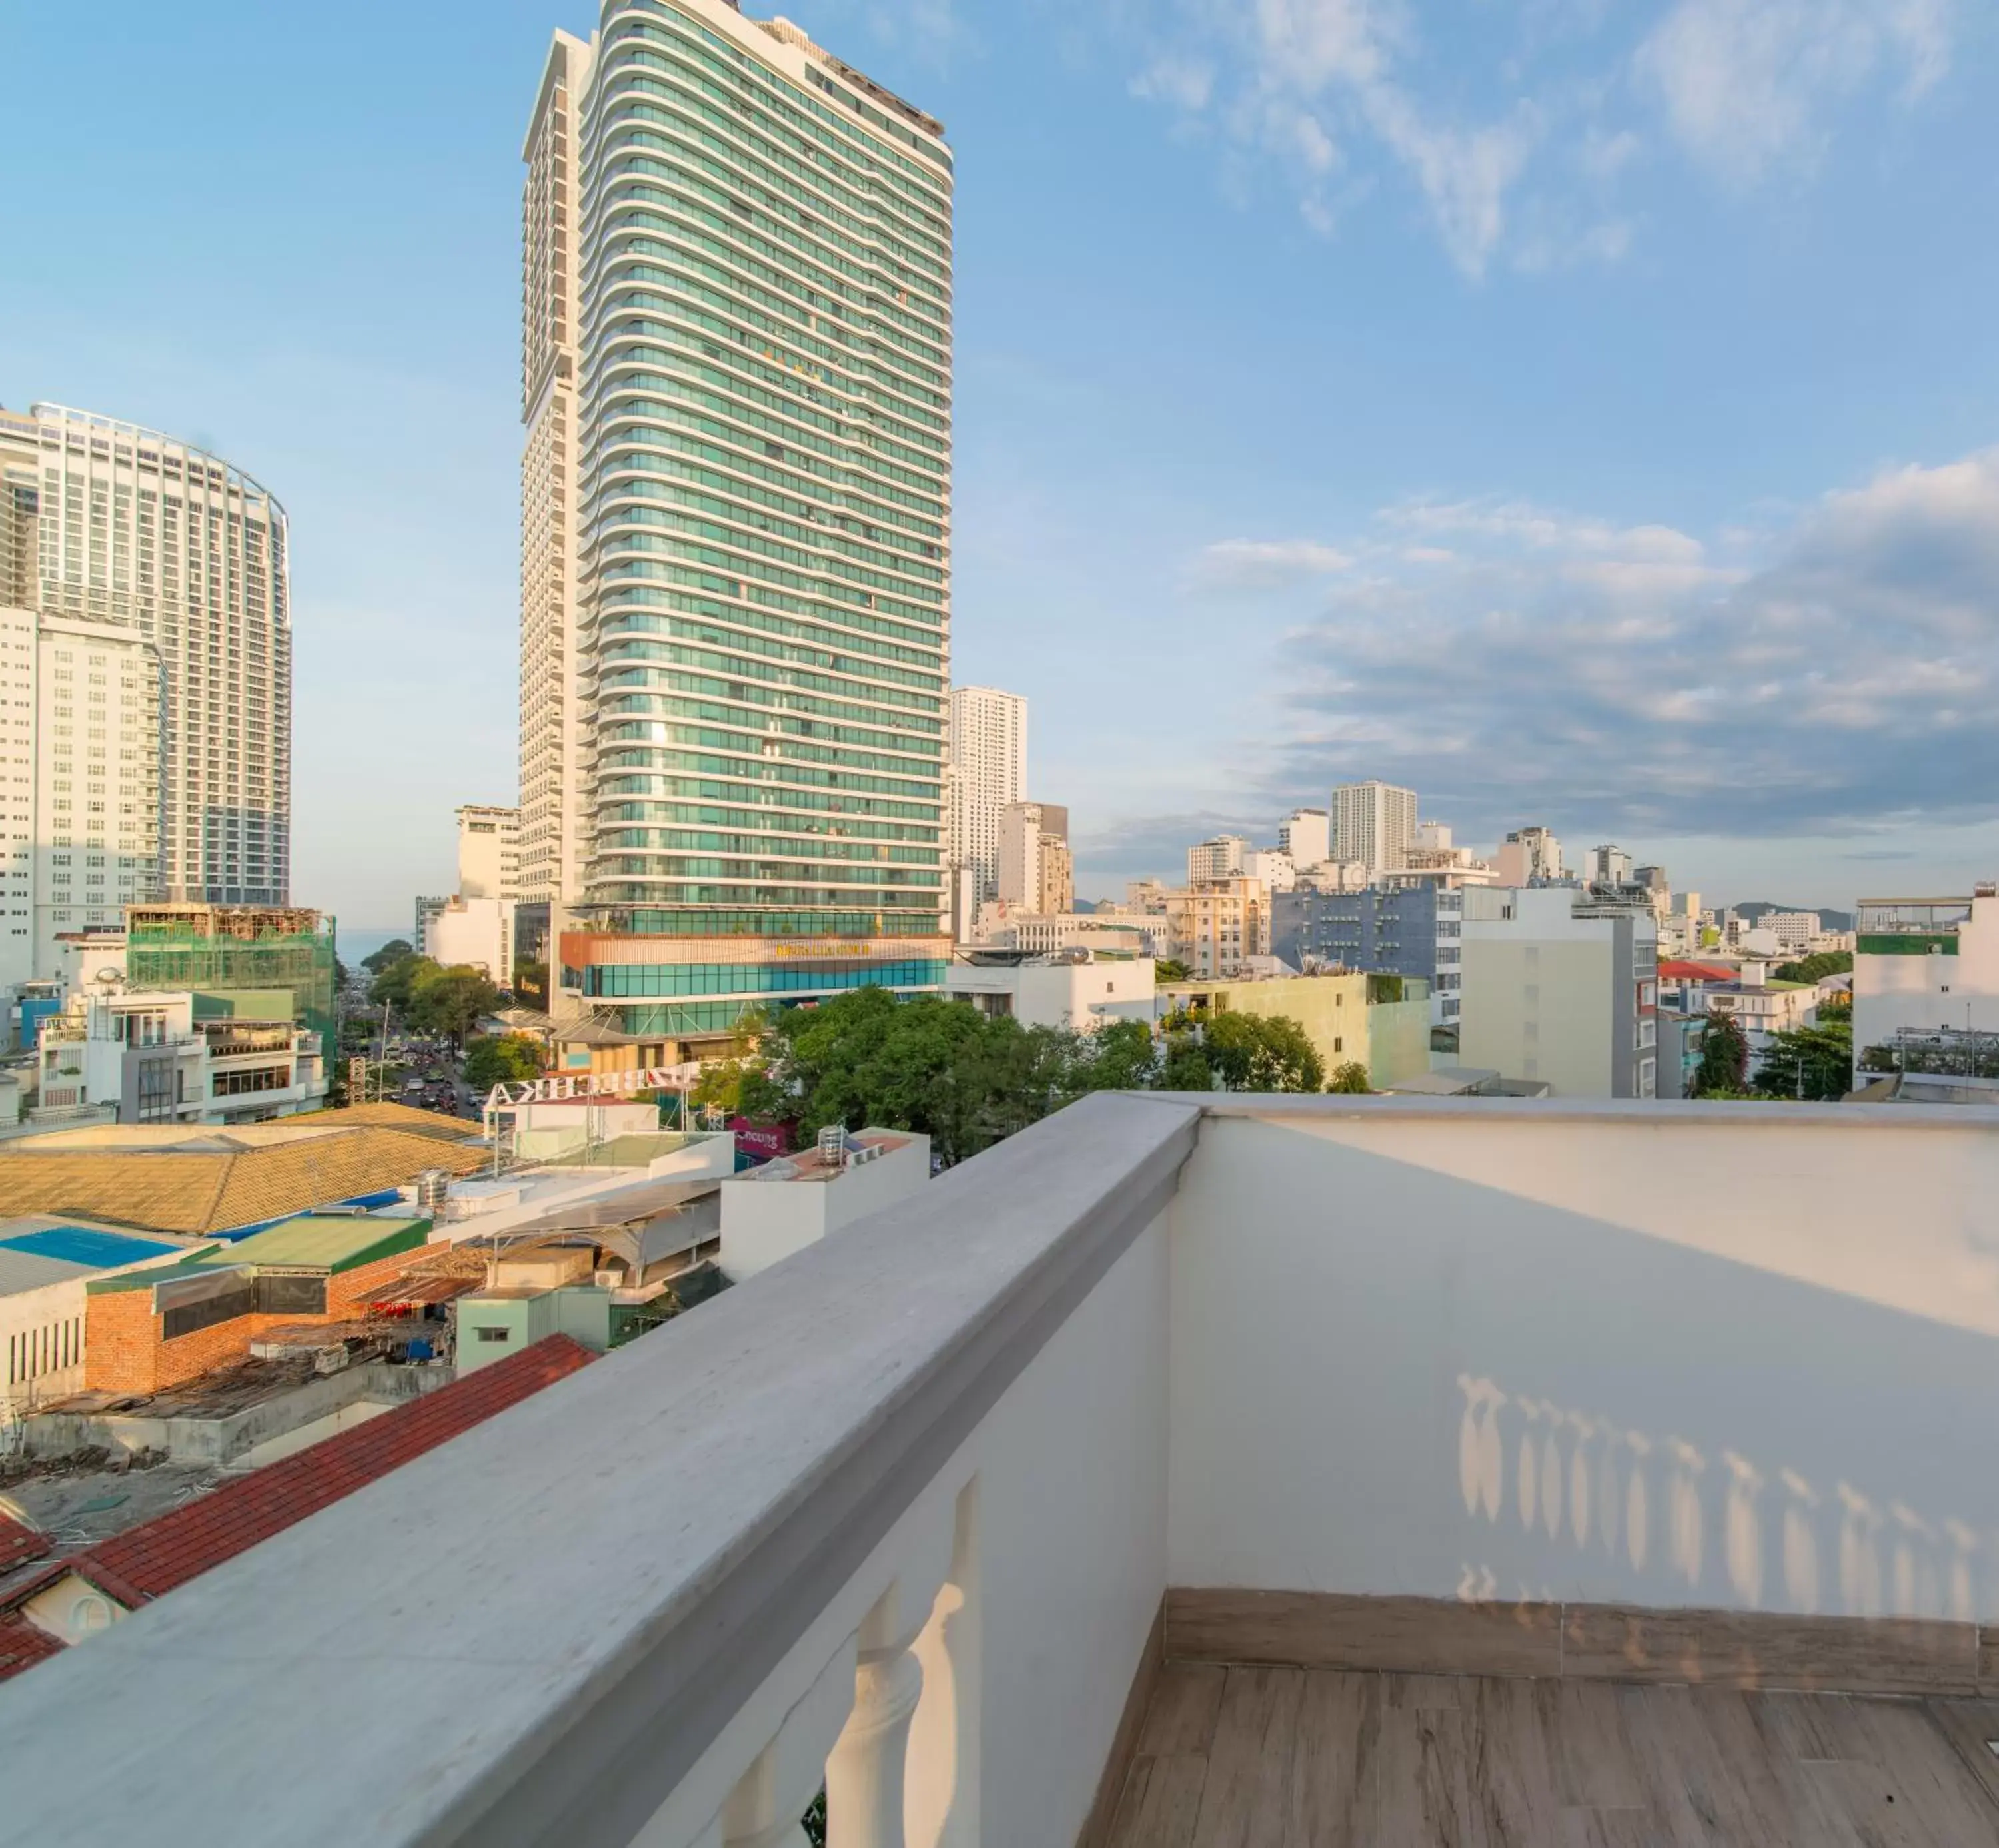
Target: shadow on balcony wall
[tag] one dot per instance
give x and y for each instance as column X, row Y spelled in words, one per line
column 1389, row 1379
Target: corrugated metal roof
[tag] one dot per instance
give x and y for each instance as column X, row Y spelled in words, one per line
column 21, row 1270
column 78, row 1245
column 329, row 1242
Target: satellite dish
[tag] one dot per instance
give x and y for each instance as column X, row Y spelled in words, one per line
column 111, row 975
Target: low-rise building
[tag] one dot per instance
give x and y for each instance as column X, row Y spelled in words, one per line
column 1077, row 991
column 1407, row 924
column 146, row 1330
column 46, row 1260
column 1560, row 989
column 770, row 1212
column 162, row 1056
column 1380, row 1021
column 1108, row 930
column 227, row 1182
column 1924, row 969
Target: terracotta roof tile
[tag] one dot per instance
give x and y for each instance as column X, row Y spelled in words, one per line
column 217, row 1189
column 147, row 1561
column 22, row 1645
column 19, row 1543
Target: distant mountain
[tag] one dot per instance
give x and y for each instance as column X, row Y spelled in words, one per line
column 1084, row 906
column 1832, row 920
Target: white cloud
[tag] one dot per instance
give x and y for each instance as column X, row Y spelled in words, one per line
column 1548, row 664
column 1747, row 85
column 1188, row 82
column 1265, row 564
column 1851, row 677
column 1317, row 87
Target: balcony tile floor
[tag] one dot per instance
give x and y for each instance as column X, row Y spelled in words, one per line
column 1292, row 1758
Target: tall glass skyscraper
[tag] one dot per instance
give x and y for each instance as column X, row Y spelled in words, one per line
column 738, row 399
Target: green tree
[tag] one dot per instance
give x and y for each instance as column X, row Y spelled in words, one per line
column 1816, row 966
column 394, row 951
column 1724, row 1057
column 1169, row 969
column 1261, row 1052
column 1808, row 1061
column 450, row 1002
column 1350, row 1078
column 960, row 1076
column 723, row 1082
column 394, row 979
column 1120, row 1056
column 502, row 1059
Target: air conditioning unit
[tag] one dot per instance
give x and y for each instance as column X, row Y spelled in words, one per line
column 608, row 1280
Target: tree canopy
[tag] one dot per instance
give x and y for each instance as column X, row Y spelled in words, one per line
column 967, row 1079
column 449, row 1002
column 1724, row 1057
column 1808, row 1061
column 1169, row 969
column 1350, row 1078
column 394, row 951
column 395, row 978
column 502, row 1059
column 1816, row 966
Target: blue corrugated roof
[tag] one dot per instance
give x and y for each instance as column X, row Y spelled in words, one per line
column 77, row 1244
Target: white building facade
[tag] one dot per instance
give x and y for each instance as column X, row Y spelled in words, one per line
column 137, row 531
column 1557, row 990
column 1306, row 835
column 989, row 775
column 1037, row 868
column 1374, row 823
column 147, row 1056
column 1219, row 857
column 79, row 772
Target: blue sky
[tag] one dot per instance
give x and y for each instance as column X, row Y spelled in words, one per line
column 1580, row 409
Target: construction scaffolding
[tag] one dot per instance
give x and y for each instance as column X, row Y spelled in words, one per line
column 237, row 947
column 1947, row 1052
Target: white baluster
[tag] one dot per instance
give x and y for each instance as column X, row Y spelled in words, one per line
column 864, row 1774
column 760, row 1813
column 940, row 1792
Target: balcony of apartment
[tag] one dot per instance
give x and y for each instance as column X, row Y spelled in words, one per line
column 1230, row 1470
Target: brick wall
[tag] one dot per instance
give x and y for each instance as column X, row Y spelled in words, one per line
column 125, row 1350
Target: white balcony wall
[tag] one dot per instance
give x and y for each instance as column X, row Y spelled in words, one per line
column 1740, row 1356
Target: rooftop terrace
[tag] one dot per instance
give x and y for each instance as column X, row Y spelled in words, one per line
column 1183, row 1470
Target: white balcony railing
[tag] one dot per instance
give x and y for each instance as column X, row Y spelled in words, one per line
column 899, row 1515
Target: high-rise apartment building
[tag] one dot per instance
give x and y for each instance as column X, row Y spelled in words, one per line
column 489, row 852
column 1218, row 857
column 1037, row 868
column 555, row 713
column 139, row 532
column 753, row 282
column 1527, row 855
column 79, row 753
column 1306, row 836
column 988, row 774
column 1373, row 824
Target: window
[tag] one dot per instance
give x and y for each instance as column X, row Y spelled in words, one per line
column 487, row 1332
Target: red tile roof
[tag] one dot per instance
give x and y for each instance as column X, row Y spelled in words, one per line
column 20, row 1543
column 22, row 1645
column 147, row 1561
column 1673, row 971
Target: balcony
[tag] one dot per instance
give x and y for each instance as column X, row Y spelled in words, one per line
column 1183, row 1471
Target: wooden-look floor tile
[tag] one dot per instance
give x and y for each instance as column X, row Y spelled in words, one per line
column 1287, row 1758
column 1971, row 1726
column 1162, row 1802
column 1335, row 1769
column 1248, row 1795
column 1181, row 1717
